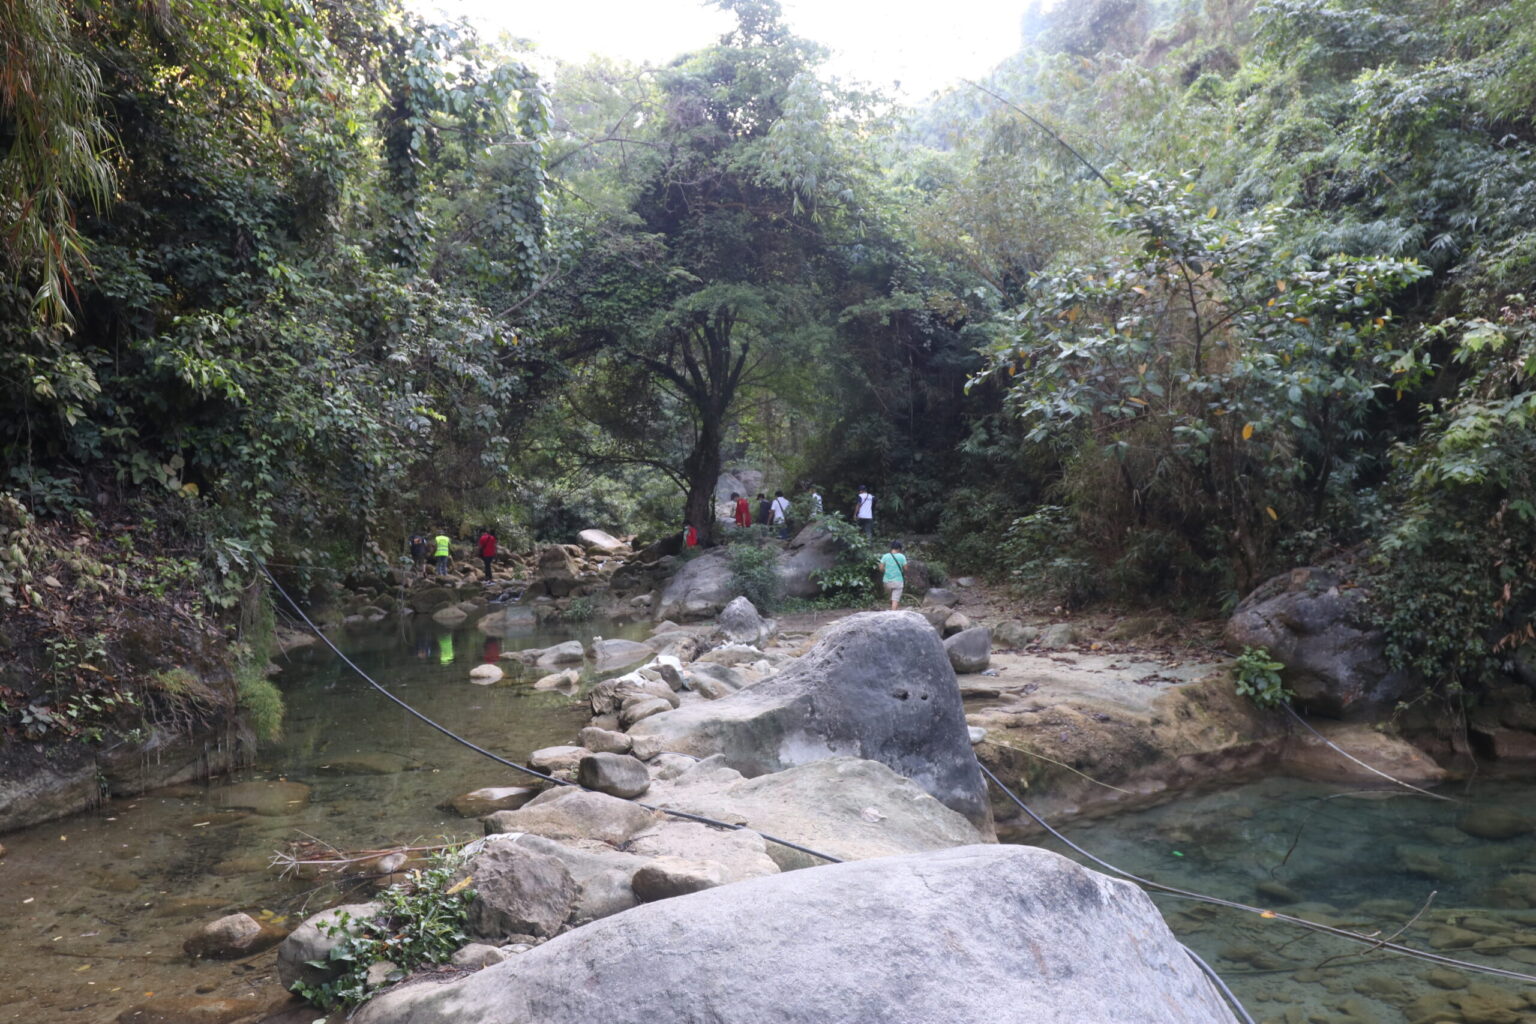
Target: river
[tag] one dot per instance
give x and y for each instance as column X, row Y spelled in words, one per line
column 98, row 904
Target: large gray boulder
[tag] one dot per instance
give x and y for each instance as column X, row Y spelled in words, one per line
column 844, row 807
column 1335, row 659
column 877, row 686
column 1002, row 934
column 740, row 623
column 600, row 541
column 811, row 551
column 701, row 588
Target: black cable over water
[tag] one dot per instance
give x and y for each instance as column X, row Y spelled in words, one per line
column 1374, row 943
column 1210, row 972
column 685, row 815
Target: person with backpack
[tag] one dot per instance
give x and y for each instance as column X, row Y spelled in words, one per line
column 894, row 564
column 779, row 514
column 486, row 545
column 763, row 511
column 419, row 552
column 864, row 511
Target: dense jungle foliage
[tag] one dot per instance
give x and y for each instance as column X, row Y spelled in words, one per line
column 1184, row 294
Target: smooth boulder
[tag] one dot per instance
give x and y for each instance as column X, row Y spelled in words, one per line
column 1321, row 629
column 701, row 588
column 877, row 686
column 615, row 774
column 1001, row 934
column 740, row 623
column 970, row 650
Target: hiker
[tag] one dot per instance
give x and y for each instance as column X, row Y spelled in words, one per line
column 895, row 578
column 441, row 545
column 864, row 511
column 779, row 514
column 487, row 548
column 419, row 552
column 743, row 509
column 762, row 508
column 690, row 535
column 815, row 499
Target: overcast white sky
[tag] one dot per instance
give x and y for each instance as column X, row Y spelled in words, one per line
column 922, row 44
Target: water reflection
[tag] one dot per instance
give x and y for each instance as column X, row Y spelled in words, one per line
column 94, row 908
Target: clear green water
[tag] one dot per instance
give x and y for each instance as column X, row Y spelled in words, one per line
column 94, row 908
column 1368, row 862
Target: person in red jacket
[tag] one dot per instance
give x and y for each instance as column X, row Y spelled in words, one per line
column 743, row 514
column 487, row 548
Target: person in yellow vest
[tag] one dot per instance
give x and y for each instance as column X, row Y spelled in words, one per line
column 442, row 553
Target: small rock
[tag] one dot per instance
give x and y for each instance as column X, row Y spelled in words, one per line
column 558, row 680
column 519, row 891
column 646, row 747
column 957, row 622
column 569, row 812
column 1495, row 823
column 382, row 973
column 603, row 741
column 485, row 674
column 638, row 710
column 477, row 955
column 665, row 877
column 942, row 597
column 1440, row 977
column 450, row 616
column 615, row 774
column 1062, row 634
column 1277, row 893
column 977, row 733
column 490, row 799
column 230, row 937
column 554, row 759
column 568, row 653
column 970, row 650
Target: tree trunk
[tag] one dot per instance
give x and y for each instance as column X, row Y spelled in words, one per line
column 702, row 469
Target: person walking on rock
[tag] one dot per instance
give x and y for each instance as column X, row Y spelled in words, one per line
column 779, row 511
column 419, row 552
column 743, row 509
column 441, row 545
column 815, row 499
column 864, row 511
column 486, row 545
column 894, row 564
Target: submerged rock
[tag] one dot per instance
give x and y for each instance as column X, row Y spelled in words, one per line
column 1495, row 823
column 1002, row 934
column 272, row 799
column 233, row 936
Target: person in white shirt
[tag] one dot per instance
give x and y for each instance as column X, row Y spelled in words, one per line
column 864, row 511
column 779, row 511
column 815, row 501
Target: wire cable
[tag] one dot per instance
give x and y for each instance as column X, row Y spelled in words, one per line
column 685, row 815
column 1210, row 972
column 1375, row 771
column 1343, row 933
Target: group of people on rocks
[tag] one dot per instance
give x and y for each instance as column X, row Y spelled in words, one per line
column 442, row 554
column 776, row 512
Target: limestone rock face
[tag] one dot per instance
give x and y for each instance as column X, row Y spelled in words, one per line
column 1027, row 937
column 878, row 686
column 970, row 650
column 1335, row 660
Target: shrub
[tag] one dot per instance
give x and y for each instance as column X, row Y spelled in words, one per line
column 851, row 580
column 422, row 922
column 1257, row 677
column 755, row 573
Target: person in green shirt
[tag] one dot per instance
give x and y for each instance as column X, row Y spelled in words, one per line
column 442, row 553
column 895, row 565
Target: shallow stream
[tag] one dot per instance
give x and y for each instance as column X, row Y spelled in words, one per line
column 96, row 907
